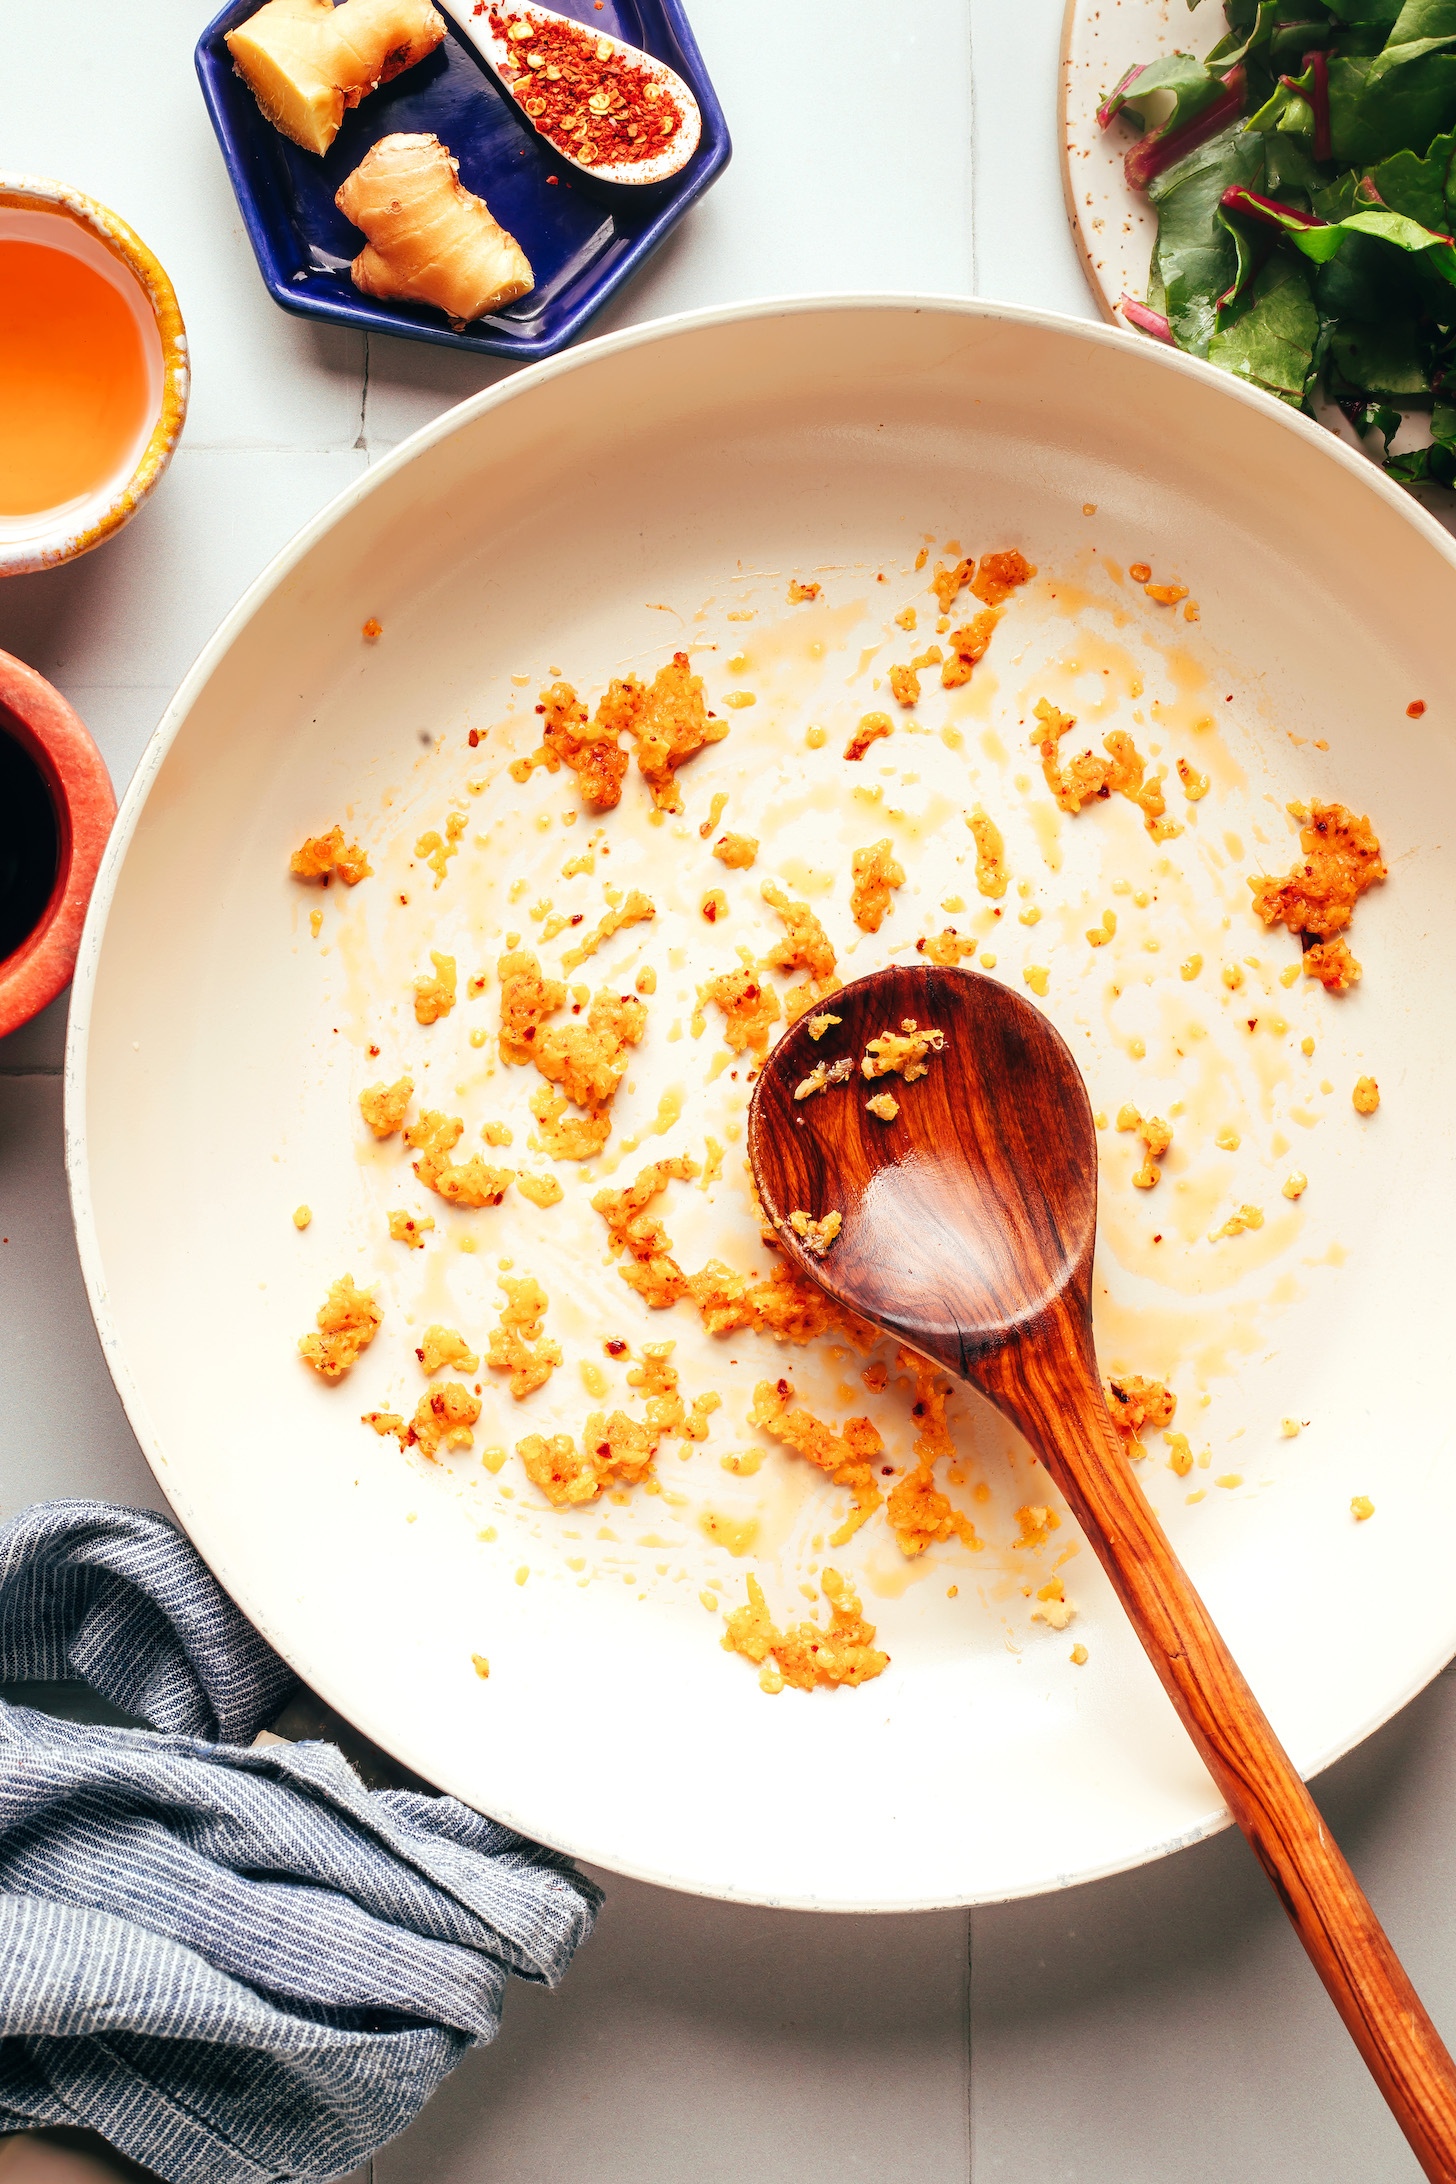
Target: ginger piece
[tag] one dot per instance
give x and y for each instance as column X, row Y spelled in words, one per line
column 948, row 583
column 437, row 849
column 805, row 947
column 904, row 686
column 306, row 61
column 324, row 854
column 668, row 721
column 636, row 910
column 1317, row 899
column 383, row 1105
column 405, row 1228
column 818, row 1025
column 903, row 1053
column 947, row 948
column 848, row 1457
column 1366, row 1096
column 1053, row 1607
column 386, row 1421
column 581, row 1137
column 348, row 1321
column 919, row 1514
column 1136, row 1404
column 1036, row 1522
column 991, row 873
column 443, row 1419
column 844, row 1653
column 654, row 1274
column 784, row 1304
column 799, row 592
column 816, row 1236
column 526, row 999
column 442, row 1346
column 749, row 1006
column 967, row 648
column 884, row 1106
column 1087, row 777
column 999, row 575
column 823, row 1075
column 876, row 874
column 541, row 1190
column 1156, row 1135
column 435, row 997
column 657, row 1380
column 589, row 1060
column 870, row 730
column 737, row 851
column 615, row 1447
column 429, row 240
column 467, row 1183
column 517, row 1346
column 592, row 751
column 1331, row 962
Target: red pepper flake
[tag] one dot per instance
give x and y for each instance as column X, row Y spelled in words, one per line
column 1415, row 709
column 584, row 95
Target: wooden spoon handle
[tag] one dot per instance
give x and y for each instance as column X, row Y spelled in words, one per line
column 1048, row 1384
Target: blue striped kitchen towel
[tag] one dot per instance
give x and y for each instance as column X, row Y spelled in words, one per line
column 235, row 1963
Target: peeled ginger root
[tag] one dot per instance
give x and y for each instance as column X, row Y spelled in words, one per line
column 306, row 61
column 430, row 240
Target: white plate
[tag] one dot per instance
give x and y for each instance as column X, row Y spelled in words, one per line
column 548, row 521
column 1114, row 227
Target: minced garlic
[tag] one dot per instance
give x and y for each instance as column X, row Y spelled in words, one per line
column 905, row 1053
column 348, row 1321
column 876, row 875
column 816, row 1236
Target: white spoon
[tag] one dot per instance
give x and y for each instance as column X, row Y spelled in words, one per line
column 521, row 43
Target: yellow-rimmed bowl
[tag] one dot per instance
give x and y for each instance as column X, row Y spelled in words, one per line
column 33, row 208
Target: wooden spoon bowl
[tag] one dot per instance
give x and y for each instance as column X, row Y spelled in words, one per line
column 968, row 1228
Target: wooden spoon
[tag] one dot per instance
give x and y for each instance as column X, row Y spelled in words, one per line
column 968, row 1227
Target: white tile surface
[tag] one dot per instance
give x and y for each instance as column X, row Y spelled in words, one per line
column 1161, row 2028
column 1165, row 2028
column 135, row 613
column 65, row 1430
column 706, row 2043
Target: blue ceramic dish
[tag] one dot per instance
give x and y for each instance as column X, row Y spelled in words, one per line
column 583, row 237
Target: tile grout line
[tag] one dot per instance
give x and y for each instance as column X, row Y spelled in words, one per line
column 971, row 178
column 363, row 439
column 970, row 2058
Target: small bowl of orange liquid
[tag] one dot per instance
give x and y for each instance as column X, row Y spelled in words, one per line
column 93, row 373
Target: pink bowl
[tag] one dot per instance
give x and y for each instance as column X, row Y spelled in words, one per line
column 74, row 773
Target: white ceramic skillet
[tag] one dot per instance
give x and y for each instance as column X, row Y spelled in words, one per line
column 550, row 521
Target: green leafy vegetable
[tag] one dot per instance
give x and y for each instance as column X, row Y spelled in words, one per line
column 1304, row 178
column 1269, row 334
column 1196, row 256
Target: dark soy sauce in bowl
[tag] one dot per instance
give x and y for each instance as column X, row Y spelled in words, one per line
column 30, row 845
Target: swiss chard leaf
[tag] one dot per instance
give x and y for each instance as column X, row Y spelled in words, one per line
column 1382, row 12
column 1195, row 257
column 1366, row 283
column 1236, row 47
column 1434, row 464
column 1319, row 244
column 1423, row 19
column 1401, row 109
column 1379, row 363
column 1268, row 335
column 1420, row 188
column 1178, row 76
